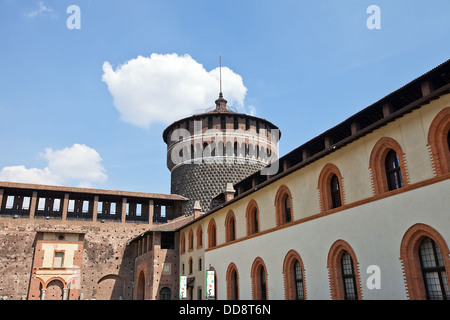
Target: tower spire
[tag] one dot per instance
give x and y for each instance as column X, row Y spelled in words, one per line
column 221, row 103
column 220, row 76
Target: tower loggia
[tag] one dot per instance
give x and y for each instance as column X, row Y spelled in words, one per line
column 208, row 150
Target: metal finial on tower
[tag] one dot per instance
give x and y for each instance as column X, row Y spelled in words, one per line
column 221, row 103
column 220, row 76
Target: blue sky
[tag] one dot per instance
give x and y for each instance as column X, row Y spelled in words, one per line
column 306, row 66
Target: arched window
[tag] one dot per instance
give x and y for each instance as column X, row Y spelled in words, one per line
column 232, row 282
column 348, row 277
column 344, row 275
column 335, row 191
column 213, row 149
column 259, row 280
column 298, row 279
column 262, row 283
column 287, row 209
column 165, row 294
column 448, row 140
column 283, row 206
column 182, row 243
column 199, row 237
column 393, row 171
column 230, row 227
column 293, row 276
column 251, row 216
column 331, row 190
column 191, row 240
column 439, row 142
column 212, row 234
column 223, row 147
column 426, row 264
column 387, row 164
column 235, row 288
column 433, row 271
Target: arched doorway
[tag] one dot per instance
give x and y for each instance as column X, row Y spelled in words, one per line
column 54, row 290
column 110, row 287
column 140, row 291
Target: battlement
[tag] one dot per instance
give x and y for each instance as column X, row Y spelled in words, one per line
column 21, row 200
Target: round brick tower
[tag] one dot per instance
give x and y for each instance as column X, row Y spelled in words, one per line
column 208, row 150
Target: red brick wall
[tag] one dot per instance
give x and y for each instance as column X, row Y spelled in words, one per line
column 105, row 254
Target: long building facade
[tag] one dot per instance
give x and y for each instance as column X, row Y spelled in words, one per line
column 359, row 212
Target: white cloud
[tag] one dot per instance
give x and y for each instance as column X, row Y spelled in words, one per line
column 33, row 175
column 42, row 10
column 76, row 164
column 166, row 87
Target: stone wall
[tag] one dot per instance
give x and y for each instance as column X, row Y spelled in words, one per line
column 107, row 264
column 204, row 181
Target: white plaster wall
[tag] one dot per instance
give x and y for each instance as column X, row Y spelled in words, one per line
column 374, row 231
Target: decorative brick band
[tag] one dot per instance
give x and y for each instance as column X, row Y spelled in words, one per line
column 289, row 277
column 252, row 221
column 280, row 215
column 258, row 263
column 409, row 257
column 335, row 271
column 377, row 164
column 230, row 227
column 230, row 283
column 212, row 234
column 438, row 142
column 324, row 186
column 199, row 237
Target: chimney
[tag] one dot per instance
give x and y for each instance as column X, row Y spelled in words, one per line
column 229, row 192
column 197, row 209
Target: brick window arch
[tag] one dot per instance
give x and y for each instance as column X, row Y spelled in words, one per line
column 294, row 275
column 232, row 282
column 212, row 234
column 343, row 272
column 439, row 142
column 331, row 188
column 182, row 243
column 230, row 227
column 252, row 217
column 283, row 206
column 384, row 149
column 410, row 255
column 199, row 237
column 190, row 240
column 259, row 280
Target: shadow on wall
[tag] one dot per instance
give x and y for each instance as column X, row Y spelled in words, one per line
column 156, row 268
column 117, row 286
